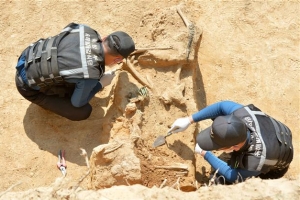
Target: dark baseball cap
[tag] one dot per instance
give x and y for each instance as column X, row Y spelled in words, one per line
column 122, row 42
column 225, row 131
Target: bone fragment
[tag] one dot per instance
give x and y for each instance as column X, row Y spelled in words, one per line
column 181, row 173
column 212, row 180
column 10, row 188
column 175, row 167
column 163, row 183
column 183, row 17
column 177, row 183
column 84, row 153
column 142, row 50
column 111, row 149
column 136, row 74
column 191, row 28
column 196, row 184
column 177, row 74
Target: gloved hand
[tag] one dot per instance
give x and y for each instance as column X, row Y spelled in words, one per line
column 180, row 125
column 198, row 149
column 107, row 78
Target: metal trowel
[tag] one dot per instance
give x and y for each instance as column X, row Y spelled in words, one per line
column 160, row 140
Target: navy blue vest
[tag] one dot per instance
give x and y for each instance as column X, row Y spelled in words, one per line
column 270, row 146
column 76, row 52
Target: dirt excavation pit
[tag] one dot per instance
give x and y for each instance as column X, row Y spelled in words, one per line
column 145, row 110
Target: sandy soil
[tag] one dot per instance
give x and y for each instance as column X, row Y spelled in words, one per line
column 248, row 52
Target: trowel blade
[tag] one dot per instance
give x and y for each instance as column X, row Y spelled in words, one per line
column 160, row 140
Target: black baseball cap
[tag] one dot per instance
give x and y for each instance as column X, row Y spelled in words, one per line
column 225, row 131
column 122, row 42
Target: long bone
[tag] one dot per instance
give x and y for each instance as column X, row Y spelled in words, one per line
column 191, row 28
column 135, row 73
column 142, row 50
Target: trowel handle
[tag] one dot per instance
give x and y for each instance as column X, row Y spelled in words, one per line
column 169, row 133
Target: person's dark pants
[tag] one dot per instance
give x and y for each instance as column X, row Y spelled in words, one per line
column 274, row 174
column 59, row 105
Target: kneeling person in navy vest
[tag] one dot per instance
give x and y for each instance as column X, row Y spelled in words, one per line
column 258, row 144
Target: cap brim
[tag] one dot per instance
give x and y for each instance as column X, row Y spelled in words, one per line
column 205, row 142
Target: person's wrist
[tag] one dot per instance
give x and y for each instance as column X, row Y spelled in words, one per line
column 203, row 152
column 191, row 119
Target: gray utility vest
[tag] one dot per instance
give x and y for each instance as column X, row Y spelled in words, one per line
column 270, row 145
column 76, row 52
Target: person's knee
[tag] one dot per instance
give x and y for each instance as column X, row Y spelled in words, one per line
column 82, row 114
column 77, row 103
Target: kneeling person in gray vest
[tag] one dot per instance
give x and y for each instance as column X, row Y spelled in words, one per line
column 62, row 73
